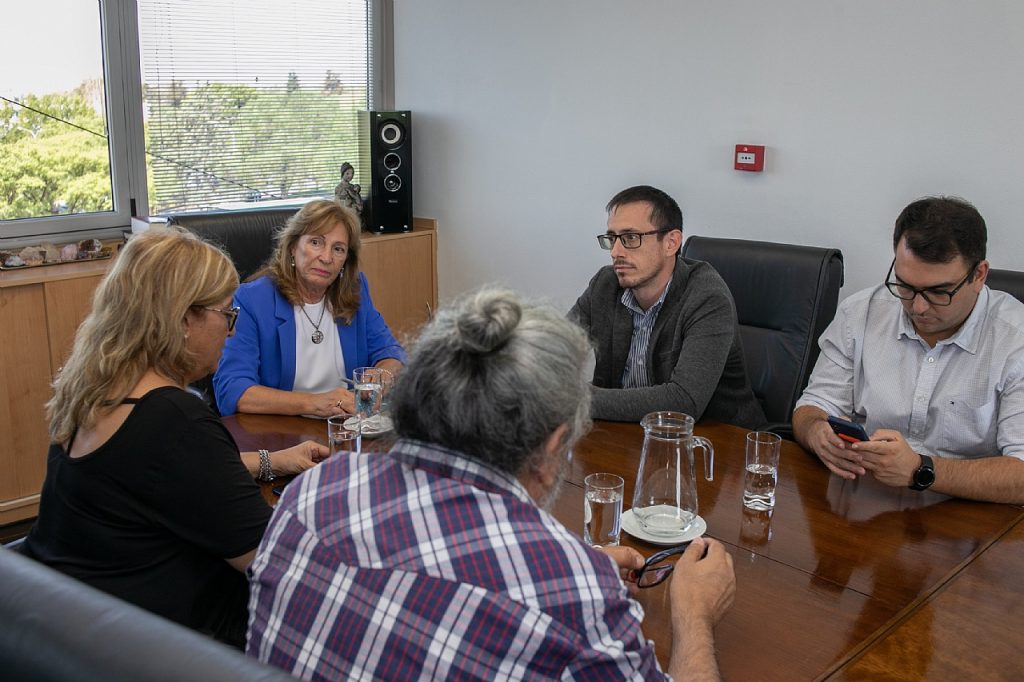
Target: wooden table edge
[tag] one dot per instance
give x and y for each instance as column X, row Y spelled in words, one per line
column 911, row 608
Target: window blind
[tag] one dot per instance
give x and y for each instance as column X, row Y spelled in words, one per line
column 250, row 101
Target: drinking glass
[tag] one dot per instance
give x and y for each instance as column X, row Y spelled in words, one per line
column 368, row 385
column 602, row 509
column 340, row 439
column 762, row 470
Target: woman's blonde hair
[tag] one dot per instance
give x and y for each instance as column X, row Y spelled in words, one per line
column 318, row 217
column 136, row 323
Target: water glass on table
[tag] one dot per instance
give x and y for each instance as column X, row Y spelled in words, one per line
column 762, row 470
column 368, row 385
column 341, row 439
column 602, row 509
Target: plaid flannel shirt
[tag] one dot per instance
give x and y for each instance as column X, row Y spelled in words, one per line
column 424, row 564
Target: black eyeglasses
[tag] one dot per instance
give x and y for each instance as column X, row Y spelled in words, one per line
column 231, row 314
column 630, row 240
column 939, row 297
column 657, row 568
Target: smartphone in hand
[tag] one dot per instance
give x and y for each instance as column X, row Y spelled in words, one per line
column 847, row 430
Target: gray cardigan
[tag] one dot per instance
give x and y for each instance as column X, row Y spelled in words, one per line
column 694, row 354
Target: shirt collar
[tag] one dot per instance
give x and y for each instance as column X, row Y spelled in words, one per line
column 458, row 466
column 967, row 337
column 629, row 300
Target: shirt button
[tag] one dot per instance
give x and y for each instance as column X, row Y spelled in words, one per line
column 931, row 359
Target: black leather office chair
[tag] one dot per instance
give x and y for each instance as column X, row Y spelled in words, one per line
column 1010, row 281
column 785, row 297
column 247, row 236
column 57, row 628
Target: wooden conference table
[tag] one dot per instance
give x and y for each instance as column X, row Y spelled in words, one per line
column 842, row 580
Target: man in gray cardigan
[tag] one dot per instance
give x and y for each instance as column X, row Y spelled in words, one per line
column 664, row 326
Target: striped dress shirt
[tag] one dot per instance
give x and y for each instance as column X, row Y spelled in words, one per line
column 422, row 563
column 636, row 373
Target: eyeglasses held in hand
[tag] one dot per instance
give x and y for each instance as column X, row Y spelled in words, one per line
column 939, row 297
column 630, row 240
column 231, row 314
column 657, row 567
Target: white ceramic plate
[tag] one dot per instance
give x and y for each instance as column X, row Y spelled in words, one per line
column 377, row 425
column 633, row 527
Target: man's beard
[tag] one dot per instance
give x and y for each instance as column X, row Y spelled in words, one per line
column 548, row 500
column 633, row 280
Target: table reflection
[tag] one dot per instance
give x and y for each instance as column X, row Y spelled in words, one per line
column 819, row 577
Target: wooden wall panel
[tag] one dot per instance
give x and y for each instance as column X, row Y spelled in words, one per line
column 67, row 303
column 24, row 389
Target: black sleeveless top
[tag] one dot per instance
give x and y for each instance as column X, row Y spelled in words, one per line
column 151, row 515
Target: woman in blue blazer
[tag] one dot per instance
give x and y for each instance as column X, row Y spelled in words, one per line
column 305, row 322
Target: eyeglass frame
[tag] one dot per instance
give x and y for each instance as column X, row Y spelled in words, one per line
column 924, row 293
column 231, row 314
column 650, row 564
column 610, row 238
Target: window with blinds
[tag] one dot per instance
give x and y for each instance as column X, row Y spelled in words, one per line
column 253, row 102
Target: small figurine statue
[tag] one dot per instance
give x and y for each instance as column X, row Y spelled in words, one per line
column 347, row 193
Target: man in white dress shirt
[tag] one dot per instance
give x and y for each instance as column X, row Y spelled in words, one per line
column 931, row 363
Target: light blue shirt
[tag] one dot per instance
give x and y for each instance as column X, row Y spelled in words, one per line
column 636, row 374
column 962, row 399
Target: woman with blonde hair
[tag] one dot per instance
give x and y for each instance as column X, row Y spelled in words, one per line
column 146, row 495
column 305, row 322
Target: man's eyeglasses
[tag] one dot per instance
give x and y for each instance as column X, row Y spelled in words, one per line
column 657, row 567
column 630, row 240
column 939, row 297
column 231, row 314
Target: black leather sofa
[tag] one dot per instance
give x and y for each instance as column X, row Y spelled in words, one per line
column 53, row 627
column 247, row 236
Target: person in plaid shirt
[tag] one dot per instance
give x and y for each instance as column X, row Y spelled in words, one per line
column 438, row 560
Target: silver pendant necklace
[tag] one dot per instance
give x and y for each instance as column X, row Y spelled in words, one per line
column 317, row 335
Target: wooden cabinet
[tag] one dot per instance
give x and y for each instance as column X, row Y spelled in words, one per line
column 41, row 308
column 402, row 272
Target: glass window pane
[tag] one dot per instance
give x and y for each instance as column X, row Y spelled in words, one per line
column 250, row 102
column 54, row 151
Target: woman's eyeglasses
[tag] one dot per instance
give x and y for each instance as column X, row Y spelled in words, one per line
column 231, row 314
column 657, row 568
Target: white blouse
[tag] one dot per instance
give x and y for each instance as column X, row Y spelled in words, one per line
column 319, row 367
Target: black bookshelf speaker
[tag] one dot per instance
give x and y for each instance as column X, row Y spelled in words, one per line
column 385, row 148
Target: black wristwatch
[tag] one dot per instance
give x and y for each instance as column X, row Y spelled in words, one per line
column 925, row 474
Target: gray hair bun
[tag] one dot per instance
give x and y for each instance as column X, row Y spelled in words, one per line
column 488, row 321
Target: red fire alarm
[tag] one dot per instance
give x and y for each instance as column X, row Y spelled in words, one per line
column 749, row 157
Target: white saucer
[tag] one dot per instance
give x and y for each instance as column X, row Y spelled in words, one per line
column 376, row 425
column 633, row 527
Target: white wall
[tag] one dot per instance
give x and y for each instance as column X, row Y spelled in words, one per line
column 529, row 115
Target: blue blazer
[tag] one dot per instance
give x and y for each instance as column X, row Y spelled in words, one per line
column 262, row 350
